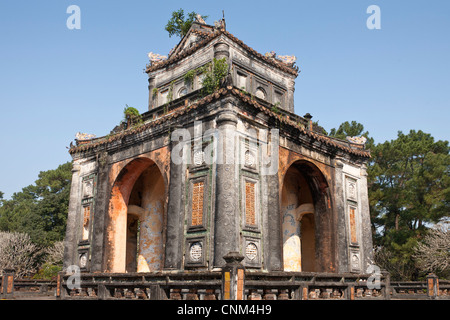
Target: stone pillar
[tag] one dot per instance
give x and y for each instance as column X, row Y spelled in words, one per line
column 226, row 235
column 175, row 215
column 233, row 275
column 366, row 226
column 432, row 286
column 274, row 253
column 71, row 240
column 100, row 212
column 152, row 98
column 221, row 50
column 290, row 95
column 343, row 264
column 7, row 289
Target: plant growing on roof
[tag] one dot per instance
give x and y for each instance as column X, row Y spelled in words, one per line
column 214, row 73
column 275, row 108
column 131, row 116
column 170, row 93
column 179, row 25
column 189, row 76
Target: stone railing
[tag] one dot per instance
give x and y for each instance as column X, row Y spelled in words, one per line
column 432, row 288
column 314, row 286
column 10, row 287
column 153, row 286
column 212, row 286
column 233, row 282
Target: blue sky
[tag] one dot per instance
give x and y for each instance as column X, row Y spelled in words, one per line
column 55, row 82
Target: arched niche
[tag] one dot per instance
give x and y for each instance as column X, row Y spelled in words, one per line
column 306, row 220
column 135, row 219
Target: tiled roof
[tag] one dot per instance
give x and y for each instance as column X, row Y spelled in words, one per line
column 91, row 144
column 208, row 37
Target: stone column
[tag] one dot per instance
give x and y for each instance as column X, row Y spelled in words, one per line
column 342, row 245
column 175, row 215
column 226, row 236
column 221, row 50
column 100, row 212
column 151, row 97
column 71, row 239
column 366, row 227
column 290, row 95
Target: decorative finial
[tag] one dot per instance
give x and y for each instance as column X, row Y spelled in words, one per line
column 200, row 19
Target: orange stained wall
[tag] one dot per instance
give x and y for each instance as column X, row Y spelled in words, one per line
column 122, row 177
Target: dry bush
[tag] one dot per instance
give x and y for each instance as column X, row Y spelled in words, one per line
column 433, row 253
column 17, row 252
column 55, row 253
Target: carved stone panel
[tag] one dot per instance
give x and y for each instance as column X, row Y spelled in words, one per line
column 196, row 252
column 351, row 189
column 252, row 252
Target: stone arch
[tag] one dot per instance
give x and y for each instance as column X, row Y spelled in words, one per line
column 306, row 219
column 134, row 236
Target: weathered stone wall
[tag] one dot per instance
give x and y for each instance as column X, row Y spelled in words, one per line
column 248, row 73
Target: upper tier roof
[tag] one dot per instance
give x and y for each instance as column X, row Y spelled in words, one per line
column 206, row 34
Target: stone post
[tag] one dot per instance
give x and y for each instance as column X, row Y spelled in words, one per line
column 7, row 289
column 432, row 286
column 233, row 275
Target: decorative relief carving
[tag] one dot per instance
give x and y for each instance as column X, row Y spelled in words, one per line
column 249, row 159
column 352, row 191
column 199, row 157
column 196, row 251
column 355, row 261
column 88, row 188
column 251, row 251
column 83, row 260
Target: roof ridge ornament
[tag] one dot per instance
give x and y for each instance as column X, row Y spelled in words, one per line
column 85, row 136
column 155, row 57
column 286, row 59
column 289, row 60
column 357, row 140
column 199, row 19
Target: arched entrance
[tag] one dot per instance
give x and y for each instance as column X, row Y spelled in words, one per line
column 305, row 219
column 136, row 219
